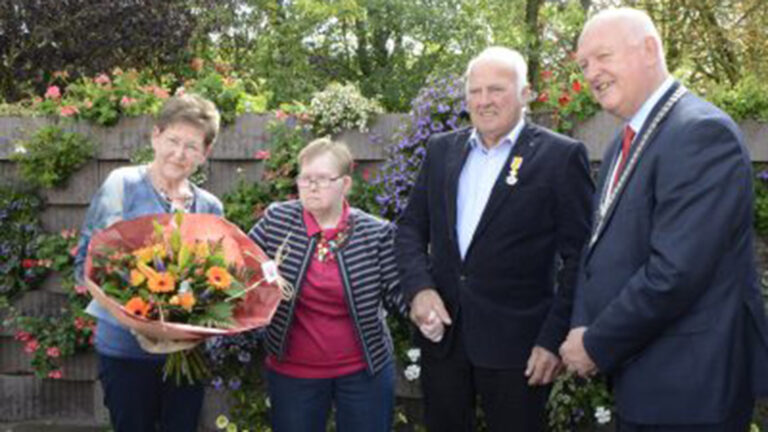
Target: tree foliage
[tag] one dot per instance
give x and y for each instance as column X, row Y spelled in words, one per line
column 38, row 37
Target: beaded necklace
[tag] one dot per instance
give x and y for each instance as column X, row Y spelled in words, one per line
column 327, row 247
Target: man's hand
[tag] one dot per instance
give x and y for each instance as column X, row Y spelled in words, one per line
column 543, row 367
column 574, row 354
column 429, row 314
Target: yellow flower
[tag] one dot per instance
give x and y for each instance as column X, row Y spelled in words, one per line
column 137, row 278
column 222, row 421
column 219, row 277
column 174, row 301
column 137, row 306
column 144, row 255
column 202, row 250
column 163, row 282
column 187, row 300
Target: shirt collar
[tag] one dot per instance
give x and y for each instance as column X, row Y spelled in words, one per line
column 313, row 227
column 509, row 140
column 638, row 120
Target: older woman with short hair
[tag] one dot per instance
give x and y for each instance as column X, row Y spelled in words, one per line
column 329, row 344
column 137, row 396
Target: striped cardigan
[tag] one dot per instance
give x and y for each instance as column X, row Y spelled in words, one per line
column 367, row 267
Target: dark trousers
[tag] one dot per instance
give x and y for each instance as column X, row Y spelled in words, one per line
column 139, row 400
column 738, row 421
column 363, row 403
column 452, row 385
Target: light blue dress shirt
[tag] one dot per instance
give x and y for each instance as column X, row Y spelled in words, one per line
column 479, row 174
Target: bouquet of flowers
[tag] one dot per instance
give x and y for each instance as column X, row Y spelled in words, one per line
column 174, row 280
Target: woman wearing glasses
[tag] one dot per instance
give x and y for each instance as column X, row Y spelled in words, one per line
column 137, row 396
column 329, row 344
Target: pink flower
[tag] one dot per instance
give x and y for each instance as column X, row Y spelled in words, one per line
column 366, row 174
column 543, row 97
column 53, row 352
column 160, row 92
column 88, row 104
column 127, row 101
column 22, row 336
column 68, row 110
column 73, row 251
column 55, row 374
column 280, row 115
column 79, row 323
column 102, row 79
column 31, row 346
column 53, row 92
column 81, row 289
column 262, row 155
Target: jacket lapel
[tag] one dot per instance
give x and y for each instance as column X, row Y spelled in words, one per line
column 602, row 222
column 524, row 147
column 457, row 153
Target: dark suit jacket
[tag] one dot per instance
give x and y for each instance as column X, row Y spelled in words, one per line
column 510, row 292
column 669, row 288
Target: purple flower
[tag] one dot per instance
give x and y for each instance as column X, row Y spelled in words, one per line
column 234, row 383
column 244, row 357
column 763, row 175
column 217, row 383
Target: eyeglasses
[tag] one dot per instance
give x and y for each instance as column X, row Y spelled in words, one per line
column 188, row 148
column 320, row 182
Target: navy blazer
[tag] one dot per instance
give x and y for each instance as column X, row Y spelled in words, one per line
column 515, row 286
column 668, row 286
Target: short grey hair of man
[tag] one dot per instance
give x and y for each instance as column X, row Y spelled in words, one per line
column 641, row 25
column 505, row 56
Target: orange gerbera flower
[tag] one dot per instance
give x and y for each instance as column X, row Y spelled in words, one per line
column 138, row 306
column 219, row 277
column 163, row 282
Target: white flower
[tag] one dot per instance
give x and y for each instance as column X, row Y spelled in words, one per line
column 267, row 402
column 20, row 149
column 414, row 354
column 602, row 415
column 412, row 372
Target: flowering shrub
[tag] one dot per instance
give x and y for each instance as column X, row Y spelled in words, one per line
column 50, row 339
column 50, row 156
column 107, row 97
column 235, row 363
column 19, row 212
column 341, row 106
column 576, row 403
column 438, row 107
column 564, row 98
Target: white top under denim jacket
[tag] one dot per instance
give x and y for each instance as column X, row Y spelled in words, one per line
column 126, row 194
column 367, row 267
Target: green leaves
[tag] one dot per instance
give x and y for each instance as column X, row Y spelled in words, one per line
column 50, row 156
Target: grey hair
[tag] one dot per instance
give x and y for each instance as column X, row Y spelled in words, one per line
column 641, row 22
column 508, row 57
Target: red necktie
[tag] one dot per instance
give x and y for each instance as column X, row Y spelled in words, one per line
column 626, row 143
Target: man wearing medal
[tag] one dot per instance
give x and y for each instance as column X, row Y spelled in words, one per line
column 488, row 247
column 667, row 301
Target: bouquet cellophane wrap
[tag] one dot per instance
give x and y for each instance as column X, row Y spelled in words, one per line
column 254, row 311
